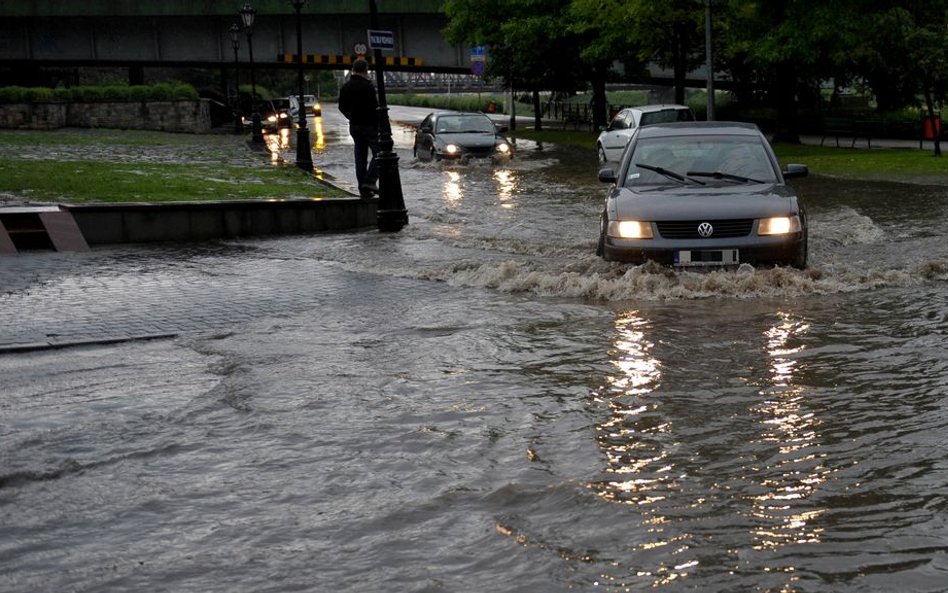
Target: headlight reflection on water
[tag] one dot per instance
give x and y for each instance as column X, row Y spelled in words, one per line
column 453, row 193
column 506, row 186
column 278, row 143
column 783, row 513
column 637, row 442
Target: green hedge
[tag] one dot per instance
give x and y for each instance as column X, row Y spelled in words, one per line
column 95, row 94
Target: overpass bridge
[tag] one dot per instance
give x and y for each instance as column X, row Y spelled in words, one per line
column 190, row 33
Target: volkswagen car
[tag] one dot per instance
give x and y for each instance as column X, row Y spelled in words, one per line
column 460, row 137
column 702, row 194
column 613, row 140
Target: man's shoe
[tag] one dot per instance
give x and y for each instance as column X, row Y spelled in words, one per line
column 368, row 188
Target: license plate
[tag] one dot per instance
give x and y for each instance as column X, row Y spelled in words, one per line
column 707, row 257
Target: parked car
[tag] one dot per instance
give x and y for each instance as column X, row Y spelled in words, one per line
column 310, row 102
column 702, row 194
column 613, row 140
column 460, row 136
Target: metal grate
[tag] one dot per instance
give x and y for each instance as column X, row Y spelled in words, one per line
column 688, row 229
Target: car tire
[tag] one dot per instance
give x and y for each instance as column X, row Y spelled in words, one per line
column 602, row 154
column 799, row 260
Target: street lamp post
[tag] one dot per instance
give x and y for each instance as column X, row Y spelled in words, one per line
column 235, row 43
column 304, row 153
column 391, row 215
column 247, row 14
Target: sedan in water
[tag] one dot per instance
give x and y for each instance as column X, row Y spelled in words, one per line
column 460, row 136
column 702, row 194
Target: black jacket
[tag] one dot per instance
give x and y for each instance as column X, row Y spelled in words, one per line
column 358, row 103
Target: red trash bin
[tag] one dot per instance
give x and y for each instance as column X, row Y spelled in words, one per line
column 931, row 131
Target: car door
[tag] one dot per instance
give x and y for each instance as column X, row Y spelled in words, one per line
column 423, row 137
column 617, row 134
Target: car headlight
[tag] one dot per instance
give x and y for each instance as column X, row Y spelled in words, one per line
column 271, row 118
column 452, row 149
column 630, row 229
column 779, row 225
column 503, row 148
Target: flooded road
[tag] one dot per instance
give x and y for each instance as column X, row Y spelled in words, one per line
column 480, row 403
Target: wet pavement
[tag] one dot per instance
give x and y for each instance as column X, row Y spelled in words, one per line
column 51, row 300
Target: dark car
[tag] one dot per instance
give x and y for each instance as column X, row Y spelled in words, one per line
column 459, row 136
column 702, row 194
column 277, row 114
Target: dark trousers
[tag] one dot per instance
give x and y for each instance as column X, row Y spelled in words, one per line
column 366, row 138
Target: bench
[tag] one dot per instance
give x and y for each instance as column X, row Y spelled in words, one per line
column 846, row 127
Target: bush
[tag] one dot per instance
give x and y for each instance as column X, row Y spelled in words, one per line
column 93, row 94
column 462, row 102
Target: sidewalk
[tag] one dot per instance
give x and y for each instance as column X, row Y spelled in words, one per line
column 53, row 300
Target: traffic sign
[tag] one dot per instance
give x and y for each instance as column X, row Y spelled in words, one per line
column 478, row 60
column 384, row 40
column 359, row 49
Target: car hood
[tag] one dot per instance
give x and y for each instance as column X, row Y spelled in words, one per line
column 730, row 202
column 471, row 140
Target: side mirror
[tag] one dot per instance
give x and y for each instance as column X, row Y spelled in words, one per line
column 794, row 171
column 607, row 175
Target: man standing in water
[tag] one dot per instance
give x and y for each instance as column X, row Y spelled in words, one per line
column 358, row 103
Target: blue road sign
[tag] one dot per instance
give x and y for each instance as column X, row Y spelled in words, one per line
column 381, row 40
column 478, row 67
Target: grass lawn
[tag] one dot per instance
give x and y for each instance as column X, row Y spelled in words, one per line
column 79, row 166
column 896, row 164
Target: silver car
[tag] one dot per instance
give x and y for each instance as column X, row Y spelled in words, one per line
column 613, row 140
column 702, row 194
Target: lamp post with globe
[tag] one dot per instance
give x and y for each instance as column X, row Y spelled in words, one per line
column 304, row 153
column 247, row 15
column 235, row 43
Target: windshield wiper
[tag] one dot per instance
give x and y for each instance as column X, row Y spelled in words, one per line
column 668, row 173
column 723, row 175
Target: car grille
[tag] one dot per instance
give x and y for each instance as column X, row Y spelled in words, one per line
column 480, row 151
column 688, row 229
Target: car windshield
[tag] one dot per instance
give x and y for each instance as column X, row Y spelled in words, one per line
column 459, row 124
column 699, row 160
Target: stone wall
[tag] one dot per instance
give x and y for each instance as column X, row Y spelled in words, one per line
column 168, row 116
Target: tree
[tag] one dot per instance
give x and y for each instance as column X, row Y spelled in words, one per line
column 603, row 28
column 530, row 45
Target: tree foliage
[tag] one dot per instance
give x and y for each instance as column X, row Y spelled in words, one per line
column 779, row 53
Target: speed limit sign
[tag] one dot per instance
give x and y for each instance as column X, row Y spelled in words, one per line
column 360, row 49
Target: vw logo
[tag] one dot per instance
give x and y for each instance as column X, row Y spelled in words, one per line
column 705, row 229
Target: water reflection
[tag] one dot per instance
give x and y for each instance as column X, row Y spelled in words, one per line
column 506, row 181
column 317, row 135
column 782, row 512
column 638, row 441
column 453, row 193
column 631, row 436
column 278, row 142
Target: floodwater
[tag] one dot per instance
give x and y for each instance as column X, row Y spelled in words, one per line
column 478, row 403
